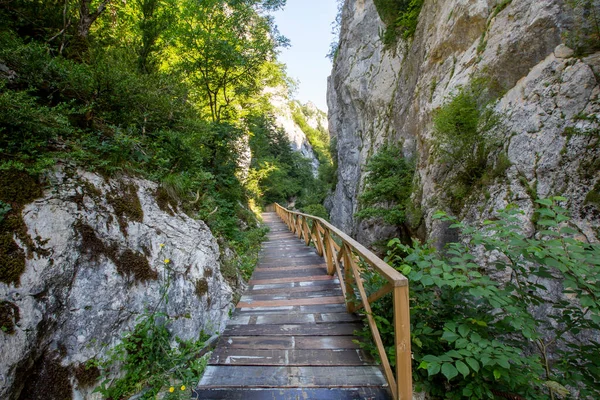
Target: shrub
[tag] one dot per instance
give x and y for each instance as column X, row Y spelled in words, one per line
column 400, row 17
column 473, row 337
column 388, row 186
column 463, row 133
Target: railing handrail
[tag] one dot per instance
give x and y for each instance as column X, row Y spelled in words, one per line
column 393, row 276
column 338, row 256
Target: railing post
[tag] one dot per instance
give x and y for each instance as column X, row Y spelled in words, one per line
column 402, row 343
column 348, row 278
column 329, row 253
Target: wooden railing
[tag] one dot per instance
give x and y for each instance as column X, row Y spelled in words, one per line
column 348, row 259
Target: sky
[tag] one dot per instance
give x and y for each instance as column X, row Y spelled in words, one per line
column 307, row 23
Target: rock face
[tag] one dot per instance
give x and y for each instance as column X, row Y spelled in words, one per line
column 284, row 119
column 548, row 99
column 99, row 263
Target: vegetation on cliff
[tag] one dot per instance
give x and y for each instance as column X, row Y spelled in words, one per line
column 474, row 335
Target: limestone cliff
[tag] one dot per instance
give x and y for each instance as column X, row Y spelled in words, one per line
column 287, row 112
column 98, row 263
column 547, row 95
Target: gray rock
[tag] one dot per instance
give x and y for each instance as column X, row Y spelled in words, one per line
column 548, row 102
column 562, row 51
column 96, row 272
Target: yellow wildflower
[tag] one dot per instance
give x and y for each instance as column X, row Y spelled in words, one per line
column 171, row 389
column 167, row 260
column 182, row 387
column 161, row 245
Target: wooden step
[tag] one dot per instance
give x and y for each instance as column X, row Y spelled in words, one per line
column 242, row 376
column 293, row 394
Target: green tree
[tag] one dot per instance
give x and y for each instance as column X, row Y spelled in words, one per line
column 225, row 44
column 388, row 185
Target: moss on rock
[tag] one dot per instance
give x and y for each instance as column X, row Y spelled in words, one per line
column 49, row 380
column 128, row 263
column 9, row 317
column 132, row 263
column 86, row 375
column 201, row 287
column 127, row 206
column 17, row 188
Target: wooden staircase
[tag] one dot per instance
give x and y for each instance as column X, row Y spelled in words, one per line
column 291, row 336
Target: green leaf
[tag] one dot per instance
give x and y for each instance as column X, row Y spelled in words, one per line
column 462, row 368
column 473, row 363
column 433, row 369
column 449, row 371
column 497, row 374
column 431, row 358
column 544, row 202
column 464, row 330
column 450, row 336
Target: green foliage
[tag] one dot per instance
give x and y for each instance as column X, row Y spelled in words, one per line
column 225, row 48
column 4, row 209
column 472, row 335
column 584, row 34
column 318, row 210
column 388, row 185
column 279, row 174
column 465, row 138
column 400, row 17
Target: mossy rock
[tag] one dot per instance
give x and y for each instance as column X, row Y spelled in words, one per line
column 48, row 380
column 126, row 205
column 87, row 376
column 9, row 317
column 17, row 188
column 201, row 287
column 132, row 263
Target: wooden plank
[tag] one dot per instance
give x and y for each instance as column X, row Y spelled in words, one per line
column 290, row 268
column 324, row 329
column 320, row 357
column 219, row 376
column 290, row 342
column 324, row 285
column 287, row 280
column 402, row 343
column 292, row 273
column 302, row 284
column 361, row 393
column 388, row 272
column 293, row 302
column 310, row 309
column 250, row 297
column 387, row 369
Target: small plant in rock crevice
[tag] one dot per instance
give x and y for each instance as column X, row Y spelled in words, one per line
column 150, row 359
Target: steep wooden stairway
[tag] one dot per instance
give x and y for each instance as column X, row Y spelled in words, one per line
column 291, row 336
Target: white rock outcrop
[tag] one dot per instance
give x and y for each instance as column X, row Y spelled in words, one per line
column 100, row 264
column 548, row 99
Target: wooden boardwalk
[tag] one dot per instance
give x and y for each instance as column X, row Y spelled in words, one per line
column 290, row 336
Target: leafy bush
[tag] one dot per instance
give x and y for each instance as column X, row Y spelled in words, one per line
column 473, row 336
column 388, row 186
column 465, row 138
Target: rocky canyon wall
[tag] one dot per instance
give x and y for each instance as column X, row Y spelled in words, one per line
column 101, row 252
column 547, row 97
